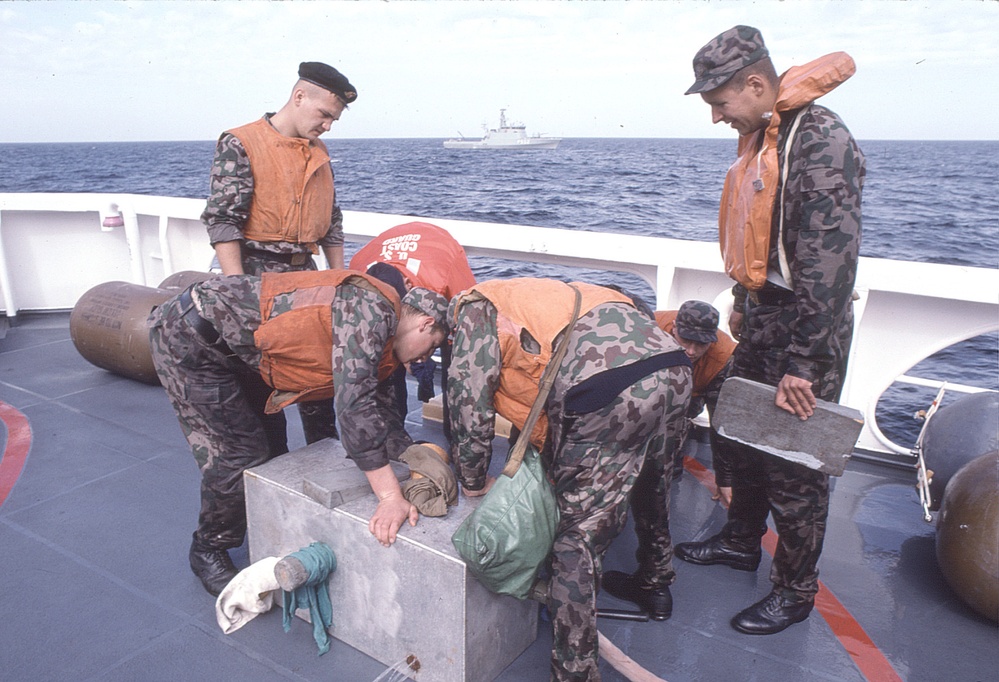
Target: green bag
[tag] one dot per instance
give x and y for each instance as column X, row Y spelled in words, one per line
column 506, row 540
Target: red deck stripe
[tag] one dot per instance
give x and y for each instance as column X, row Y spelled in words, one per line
column 16, row 450
column 865, row 654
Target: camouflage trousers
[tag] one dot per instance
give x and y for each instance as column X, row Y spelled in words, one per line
column 318, row 417
column 598, row 460
column 219, row 402
column 797, row 497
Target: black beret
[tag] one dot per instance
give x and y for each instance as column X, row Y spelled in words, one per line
column 325, row 76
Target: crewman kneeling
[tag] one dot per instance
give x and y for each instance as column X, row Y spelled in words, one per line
column 612, row 418
column 220, row 348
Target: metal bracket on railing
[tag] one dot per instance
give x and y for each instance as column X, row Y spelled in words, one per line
column 924, row 476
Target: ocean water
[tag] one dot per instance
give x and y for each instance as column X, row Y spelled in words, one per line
column 923, row 201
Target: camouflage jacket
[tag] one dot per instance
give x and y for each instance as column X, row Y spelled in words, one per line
column 230, row 196
column 609, row 336
column 822, row 219
column 371, row 431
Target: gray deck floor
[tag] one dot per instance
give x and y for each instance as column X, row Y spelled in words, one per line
column 95, row 582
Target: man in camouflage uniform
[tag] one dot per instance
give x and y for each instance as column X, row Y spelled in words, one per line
column 240, row 192
column 614, row 414
column 695, row 327
column 206, row 354
column 795, row 331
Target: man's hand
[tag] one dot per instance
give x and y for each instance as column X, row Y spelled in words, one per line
column 393, row 510
column 724, row 495
column 490, row 480
column 735, row 324
column 794, row 395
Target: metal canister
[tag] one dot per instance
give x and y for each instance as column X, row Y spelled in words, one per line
column 108, row 323
column 108, row 327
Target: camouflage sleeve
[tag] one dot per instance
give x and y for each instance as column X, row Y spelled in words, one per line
column 230, row 191
column 739, row 295
column 472, row 380
column 335, row 235
column 371, row 432
column 822, row 236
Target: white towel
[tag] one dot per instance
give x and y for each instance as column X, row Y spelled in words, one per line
column 253, row 591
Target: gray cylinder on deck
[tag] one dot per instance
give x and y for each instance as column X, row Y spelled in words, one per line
column 183, row 279
column 957, row 434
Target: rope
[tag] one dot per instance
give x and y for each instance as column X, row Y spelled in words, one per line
column 319, row 561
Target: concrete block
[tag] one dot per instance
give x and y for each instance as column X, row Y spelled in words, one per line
column 414, row 599
column 746, row 413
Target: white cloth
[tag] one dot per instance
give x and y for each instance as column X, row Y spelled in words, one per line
column 253, row 591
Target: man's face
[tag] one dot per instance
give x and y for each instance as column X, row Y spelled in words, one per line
column 695, row 350
column 316, row 112
column 742, row 109
column 417, row 342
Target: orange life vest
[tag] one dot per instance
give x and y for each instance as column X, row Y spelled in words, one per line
column 708, row 366
column 293, row 191
column 424, row 253
column 542, row 307
column 747, row 204
column 296, row 342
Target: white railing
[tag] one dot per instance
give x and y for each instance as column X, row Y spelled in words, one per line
column 53, row 248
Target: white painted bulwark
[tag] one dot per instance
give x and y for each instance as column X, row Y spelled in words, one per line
column 53, row 249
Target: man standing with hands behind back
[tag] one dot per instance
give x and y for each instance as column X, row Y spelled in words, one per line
column 789, row 229
column 272, row 203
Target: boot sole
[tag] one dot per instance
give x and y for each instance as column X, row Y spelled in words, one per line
column 720, row 562
column 768, row 631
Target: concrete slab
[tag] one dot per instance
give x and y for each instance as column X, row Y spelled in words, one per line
column 414, row 599
column 746, row 413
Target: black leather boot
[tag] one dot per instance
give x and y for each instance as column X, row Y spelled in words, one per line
column 658, row 603
column 213, row 567
column 714, row 550
column 772, row 614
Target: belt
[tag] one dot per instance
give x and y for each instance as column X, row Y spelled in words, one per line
column 202, row 327
column 288, row 258
column 774, row 296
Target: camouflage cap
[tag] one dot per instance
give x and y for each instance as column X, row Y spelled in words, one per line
column 429, row 303
column 328, row 78
column 726, row 53
column 697, row 321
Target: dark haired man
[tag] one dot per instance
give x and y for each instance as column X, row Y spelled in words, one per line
column 789, row 229
column 230, row 349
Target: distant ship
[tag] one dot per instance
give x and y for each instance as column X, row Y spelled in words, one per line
column 513, row 136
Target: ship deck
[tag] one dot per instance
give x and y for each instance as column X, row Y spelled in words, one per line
column 99, row 494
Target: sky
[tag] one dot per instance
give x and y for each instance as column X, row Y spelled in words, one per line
column 130, row 71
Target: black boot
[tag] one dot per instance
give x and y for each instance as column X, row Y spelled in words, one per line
column 658, row 603
column 714, row 550
column 213, row 567
column 772, row 614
